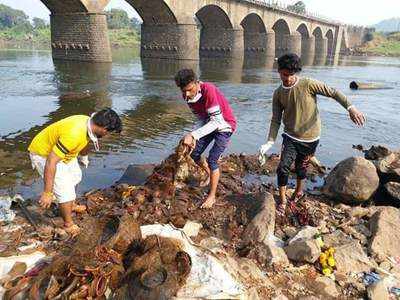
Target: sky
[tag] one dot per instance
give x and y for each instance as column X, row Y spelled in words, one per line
column 357, row 12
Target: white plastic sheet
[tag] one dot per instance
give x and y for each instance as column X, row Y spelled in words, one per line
column 210, row 277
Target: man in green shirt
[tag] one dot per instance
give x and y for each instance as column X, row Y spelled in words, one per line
column 295, row 104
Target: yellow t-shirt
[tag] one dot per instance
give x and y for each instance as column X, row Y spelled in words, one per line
column 66, row 138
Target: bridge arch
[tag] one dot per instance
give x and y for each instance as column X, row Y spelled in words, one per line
column 330, row 38
column 282, row 33
column 62, row 7
column 307, row 46
column 255, row 35
column 217, row 35
column 153, row 12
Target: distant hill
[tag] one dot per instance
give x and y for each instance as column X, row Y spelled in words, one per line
column 389, row 25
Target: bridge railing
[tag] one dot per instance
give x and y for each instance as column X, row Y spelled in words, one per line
column 274, row 4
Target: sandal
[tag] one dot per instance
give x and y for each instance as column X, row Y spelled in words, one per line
column 297, row 197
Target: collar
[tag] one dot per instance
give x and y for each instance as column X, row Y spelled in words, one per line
column 91, row 135
column 289, row 87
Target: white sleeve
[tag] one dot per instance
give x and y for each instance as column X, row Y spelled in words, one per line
column 216, row 121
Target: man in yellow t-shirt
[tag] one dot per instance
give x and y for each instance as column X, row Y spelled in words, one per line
column 54, row 154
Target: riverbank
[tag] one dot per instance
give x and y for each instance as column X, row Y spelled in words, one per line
column 272, row 256
column 381, row 45
column 41, row 38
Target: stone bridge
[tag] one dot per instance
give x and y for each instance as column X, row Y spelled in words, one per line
column 189, row 29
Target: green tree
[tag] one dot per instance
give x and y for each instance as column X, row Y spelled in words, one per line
column 39, row 23
column 10, row 17
column 299, row 7
column 118, row 19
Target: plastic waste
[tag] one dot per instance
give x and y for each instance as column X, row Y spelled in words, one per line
column 6, row 213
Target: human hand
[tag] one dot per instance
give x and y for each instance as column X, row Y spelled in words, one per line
column 189, row 140
column 46, row 199
column 357, row 116
column 263, row 151
column 84, row 160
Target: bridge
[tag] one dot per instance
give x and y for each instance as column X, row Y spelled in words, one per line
column 190, row 29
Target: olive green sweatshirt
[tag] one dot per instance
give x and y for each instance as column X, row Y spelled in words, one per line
column 297, row 108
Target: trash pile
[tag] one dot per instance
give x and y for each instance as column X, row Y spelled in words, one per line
column 332, row 243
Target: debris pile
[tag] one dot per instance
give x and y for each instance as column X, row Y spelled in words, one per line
column 319, row 247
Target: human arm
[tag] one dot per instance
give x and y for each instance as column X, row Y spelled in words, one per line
column 320, row 88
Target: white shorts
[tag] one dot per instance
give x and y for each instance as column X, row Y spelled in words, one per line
column 67, row 176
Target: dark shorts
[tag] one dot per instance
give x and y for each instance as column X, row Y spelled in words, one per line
column 221, row 142
column 298, row 152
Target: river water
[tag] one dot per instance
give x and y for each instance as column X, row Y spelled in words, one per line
column 155, row 117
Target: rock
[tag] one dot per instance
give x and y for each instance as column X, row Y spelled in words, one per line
column 353, row 180
column 389, row 167
column 393, row 190
column 351, row 257
column 376, row 153
column 268, row 254
column 303, row 251
column 326, row 287
column 263, row 224
column 336, row 239
column 385, row 239
column 378, row 291
column 136, row 174
column 306, row 233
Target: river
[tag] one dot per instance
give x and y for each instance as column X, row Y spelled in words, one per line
column 155, row 117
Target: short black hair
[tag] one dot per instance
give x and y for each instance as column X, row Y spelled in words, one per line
column 184, row 77
column 290, row 61
column 108, row 119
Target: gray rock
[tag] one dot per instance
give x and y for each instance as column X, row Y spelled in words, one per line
column 378, row 291
column 336, row 239
column 385, row 239
column 326, row 287
column 351, row 257
column 303, row 251
column 393, row 190
column 136, row 174
column 263, row 224
column 306, row 233
column 353, row 180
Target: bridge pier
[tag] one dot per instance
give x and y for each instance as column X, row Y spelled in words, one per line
column 80, row 37
column 172, row 41
column 294, row 43
column 321, row 47
column 260, row 45
column 222, row 43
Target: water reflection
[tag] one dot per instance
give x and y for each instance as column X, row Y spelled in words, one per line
column 165, row 68
column 155, row 116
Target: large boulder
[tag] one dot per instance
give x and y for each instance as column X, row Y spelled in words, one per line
column 351, row 257
column 385, row 241
column 353, row 180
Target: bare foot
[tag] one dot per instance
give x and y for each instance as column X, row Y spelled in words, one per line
column 209, row 202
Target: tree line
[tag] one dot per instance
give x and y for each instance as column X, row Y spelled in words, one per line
column 17, row 20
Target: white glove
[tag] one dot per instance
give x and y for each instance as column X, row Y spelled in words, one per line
column 84, row 160
column 262, row 158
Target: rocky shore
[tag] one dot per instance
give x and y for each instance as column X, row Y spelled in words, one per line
column 340, row 241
